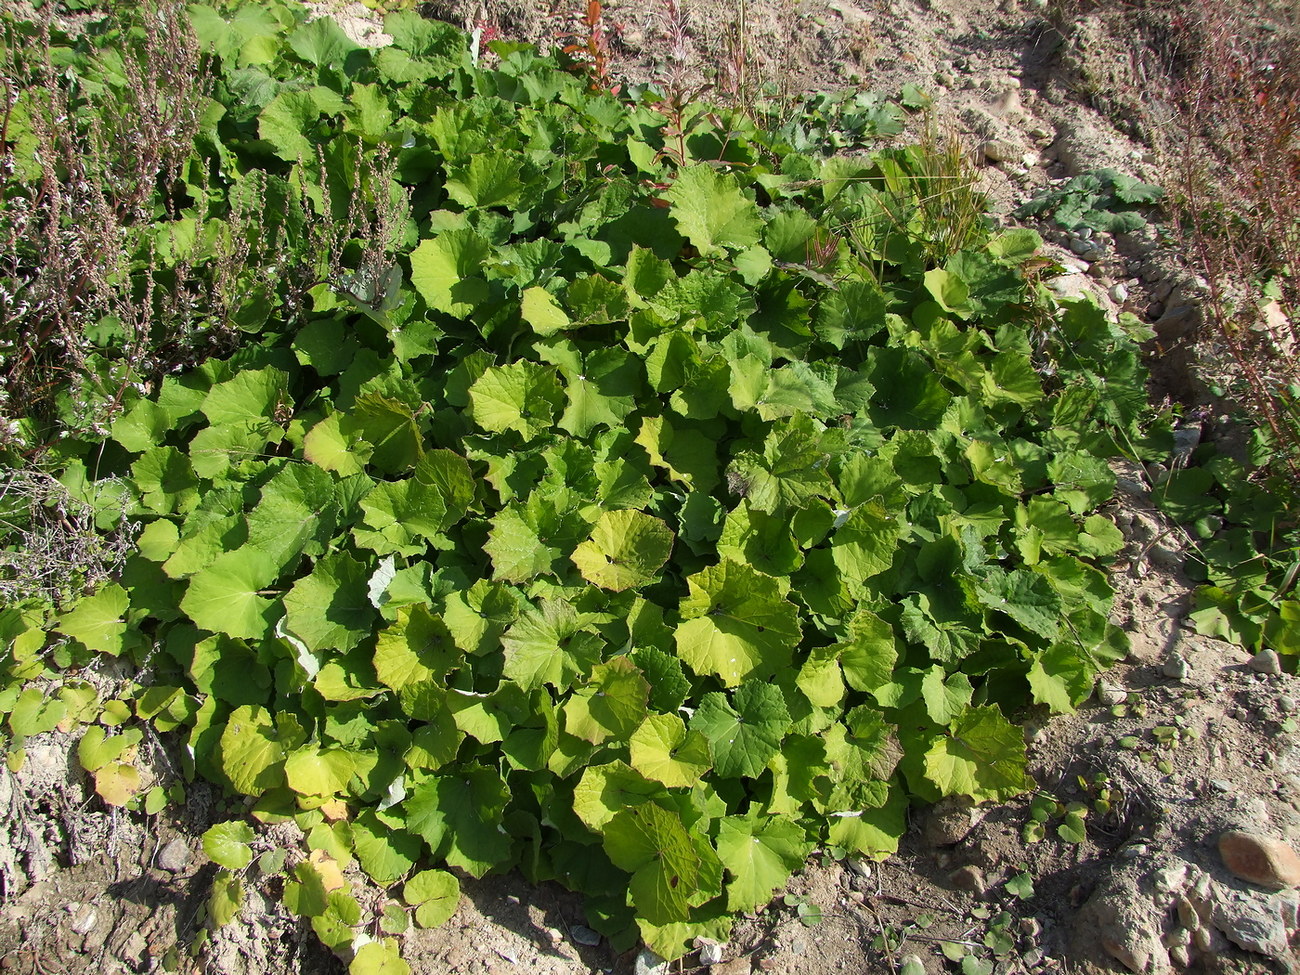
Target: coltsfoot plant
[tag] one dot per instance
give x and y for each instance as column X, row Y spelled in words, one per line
column 648, row 518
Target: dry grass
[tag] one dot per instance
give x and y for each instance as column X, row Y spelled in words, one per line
column 1234, row 160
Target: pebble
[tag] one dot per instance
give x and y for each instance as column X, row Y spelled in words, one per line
column 584, row 935
column 858, row 867
column 1286, row 704
column 1111, row 694
column 999, row 150
column 969, row 878
column 1180, row 956
column 175, row 856
column 1266, row 662
column 1176, row 666
column 1086, row 249
column 85, row 921
column 1165, row 556
column 1119, row 293
column 710, row 952
column 648, row 963
column 950, row 821
column 1261, row 860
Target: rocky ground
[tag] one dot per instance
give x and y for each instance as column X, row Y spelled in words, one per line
column 1158, row 837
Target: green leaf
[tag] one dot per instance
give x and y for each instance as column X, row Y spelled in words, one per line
column 404, row 517
column 414, row 649
column 252, row 751
column 522, row 396
column 98, row 621
column 386, row 852
column 487, row 180
column 760, row 853
column 736, row 624
column 382, row 957
column 663, row 750
column 330, row 608
column 389, row 427
column 606, row 789
column 226, row 898
column 982, row 756
column 946, row 696
column 226, row 596
column 550, row 645
column 865, row 544
column 745, row 732
column 671, row 871
column 447, row 272
column 227, row 844
column 869, row 653
column 251, row 396
column 97, row 749
column 792, row 468
column 950, row 291
column 542, row 311
column 529, row 539
column 612, row 704
column 435, row 894
column 625, row 551
column 166, row 480
column 459, row 815
column 322, row 43
column 712, row 212
column 1027, row 598
column 315, row 771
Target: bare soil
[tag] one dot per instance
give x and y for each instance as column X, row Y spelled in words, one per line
column 1188, row 750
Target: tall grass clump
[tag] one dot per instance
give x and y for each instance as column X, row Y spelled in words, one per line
column 1236, row 169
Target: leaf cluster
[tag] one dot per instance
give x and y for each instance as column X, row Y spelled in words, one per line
column 639, row 525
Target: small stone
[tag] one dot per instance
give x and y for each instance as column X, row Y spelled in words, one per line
column 1131, row 487
column 970, row 878
column 1176, row 666
column 584, row 935
column 1086, row 249
column 648, row 963
column 174, row 857
column 135, row 949
column 737, row 966
column 1266, row 662
column 710, row 951
column 1069, row 285
column 1286, row 704
column 1180, row 956
column 85, row 920
column 1165, row 557
column 999, row 150
column 798, row 946
column 1008, row 103
column 950, row 821
column 1259, row 859
column 1119, row 293
column 1186, row 440
column 858, row 867
column 1110, row 694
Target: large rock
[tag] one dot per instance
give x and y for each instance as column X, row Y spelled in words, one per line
column 1260, row 859
column 1254, row 921
column 1123, row 918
